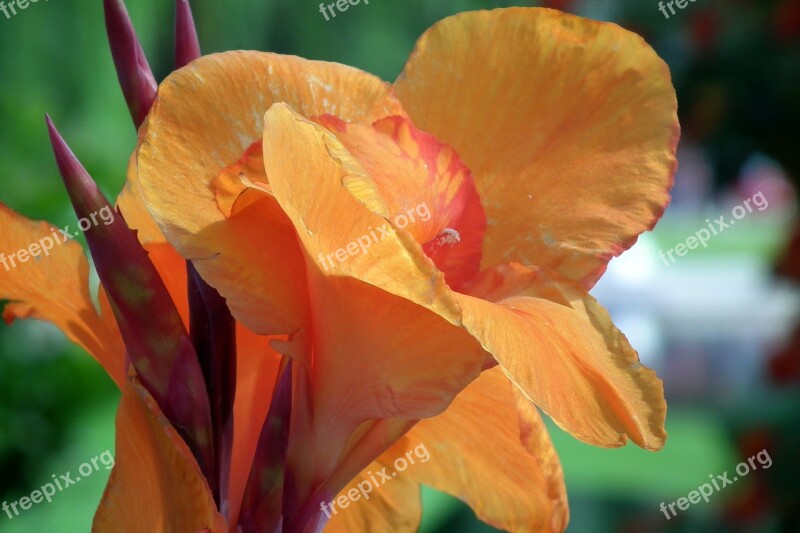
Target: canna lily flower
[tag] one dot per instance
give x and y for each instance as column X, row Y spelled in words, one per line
column 313, row 272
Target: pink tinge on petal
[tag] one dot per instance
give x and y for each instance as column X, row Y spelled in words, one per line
column 428, row 190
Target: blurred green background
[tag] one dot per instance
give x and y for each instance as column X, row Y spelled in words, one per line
column 717, row 325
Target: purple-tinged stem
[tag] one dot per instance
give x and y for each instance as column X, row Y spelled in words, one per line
column 155, row 338
column 187, row 45
column 135, row 77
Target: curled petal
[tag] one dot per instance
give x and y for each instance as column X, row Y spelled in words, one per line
column 428, row 191
column 559, row 346
column 331, row 203
column 490, row 449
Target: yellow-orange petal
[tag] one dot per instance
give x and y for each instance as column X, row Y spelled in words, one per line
column 131, row 205
column 408, row 358
column 255, row 263
column 156, row 484
column 395, row 507
column 53, row 285
column 569, row 126
column 561, row 349
column 491, row 449
column 333, row 204
column 204, row 118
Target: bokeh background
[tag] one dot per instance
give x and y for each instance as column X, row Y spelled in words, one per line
column 719, row 325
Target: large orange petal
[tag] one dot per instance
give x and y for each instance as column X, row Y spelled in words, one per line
column 407, row 358
column 560, row 347
column 54, row 286
column 255, row 263
column 156, row 484
column 569, row 126
column 333, row 203
column 204, row 118
column 394, row 507
column 490, row 449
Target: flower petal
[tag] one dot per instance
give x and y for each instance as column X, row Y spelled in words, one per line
column 394, row 507
column 333, row 203
column 393, row 294
column 427, row 190
column 131, row 204
column 156, row 484
column 205, row 116
column 490, row 449
column 569, row 126
column 560, row 347
column 54, row 286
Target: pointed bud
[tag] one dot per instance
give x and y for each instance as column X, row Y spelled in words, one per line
column 153, row 332
column 148, row 320
column 135, row 77
column 187, row 46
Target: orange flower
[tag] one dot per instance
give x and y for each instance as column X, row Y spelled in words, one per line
column 371, row 267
